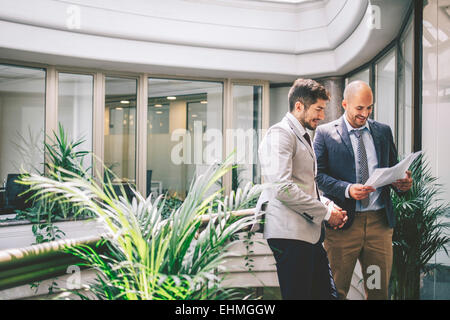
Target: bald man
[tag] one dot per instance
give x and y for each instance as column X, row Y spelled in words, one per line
column 348, row 150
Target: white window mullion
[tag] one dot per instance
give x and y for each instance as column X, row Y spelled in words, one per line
column 141, row 141
column 98, row 125
column 51, row 105
column 227, row 125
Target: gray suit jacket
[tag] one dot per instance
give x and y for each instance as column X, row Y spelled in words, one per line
column 288, row 166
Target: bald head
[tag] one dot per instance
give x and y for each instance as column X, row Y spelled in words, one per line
column 358, row 103
column 356, row 88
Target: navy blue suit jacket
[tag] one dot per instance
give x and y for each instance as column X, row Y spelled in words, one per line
column 336, row 163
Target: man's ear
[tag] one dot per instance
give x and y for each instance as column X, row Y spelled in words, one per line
column 344, row 104
column 299, row 106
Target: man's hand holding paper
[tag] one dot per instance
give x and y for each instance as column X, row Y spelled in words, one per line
column 358, row 191
column 404, row 184
column 394, row 175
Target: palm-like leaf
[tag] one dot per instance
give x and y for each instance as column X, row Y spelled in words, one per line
column 418, row 234
column 149, row 256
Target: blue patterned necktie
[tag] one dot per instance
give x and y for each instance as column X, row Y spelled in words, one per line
column 363, row 164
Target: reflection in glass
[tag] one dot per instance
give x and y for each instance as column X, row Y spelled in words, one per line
column 75, row 99
column 120, row 128
column 385, row 90
column 247, row 121
column 22, row 110
column 363, row 75
column 435, row 115
column 405, row 92
column 184, row 132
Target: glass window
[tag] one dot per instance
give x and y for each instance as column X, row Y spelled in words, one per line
column 247, row 106
column 120, row 128
column 75, row 99
column 184, row 134
column 363, row 75
column 385, row 90
column 405, row 69
column 22, row 118
column 435, row 115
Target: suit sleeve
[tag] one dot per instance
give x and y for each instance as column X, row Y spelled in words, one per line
column 277, row 150
column 325, row 181
column 393, row 158
column 393, row 154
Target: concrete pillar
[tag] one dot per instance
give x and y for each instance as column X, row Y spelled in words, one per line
column 335, row 86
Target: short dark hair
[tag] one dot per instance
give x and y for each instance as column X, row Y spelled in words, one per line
column 307, row 91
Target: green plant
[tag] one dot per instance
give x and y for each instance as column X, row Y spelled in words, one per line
column 170, row 205
column 238, row 199
column 61, row 154
column 150, row 256
column 42, row 217
column 418, row 234
column 61, row 158
column 248, row 242
column 236, row 179
column 30, row 149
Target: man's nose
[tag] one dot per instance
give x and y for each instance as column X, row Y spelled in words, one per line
column 322, row 115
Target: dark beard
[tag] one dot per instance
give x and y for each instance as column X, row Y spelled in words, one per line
column 306, row 125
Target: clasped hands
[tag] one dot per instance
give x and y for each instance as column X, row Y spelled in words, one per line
column 338, row 217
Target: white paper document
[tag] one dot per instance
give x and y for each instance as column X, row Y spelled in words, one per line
column 384, row 176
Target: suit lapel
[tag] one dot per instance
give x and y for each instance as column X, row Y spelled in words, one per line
column 377, row 140
column 301, row 138
column 341, row 128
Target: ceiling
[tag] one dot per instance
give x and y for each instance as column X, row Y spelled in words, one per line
column 245, row 39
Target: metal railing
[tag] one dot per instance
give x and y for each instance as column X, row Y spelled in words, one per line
column 34, row 263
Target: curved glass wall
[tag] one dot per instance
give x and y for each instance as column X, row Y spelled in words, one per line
column 435, row 115
column 385, row 78
column 405, row 86
column 120, row 128
column 22, row 118
column 184, row 134
column 247, row 116
column 75, row 110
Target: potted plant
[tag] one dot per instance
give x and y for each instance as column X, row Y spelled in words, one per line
column 151, row 256
column 418, row 234
column 47, row 219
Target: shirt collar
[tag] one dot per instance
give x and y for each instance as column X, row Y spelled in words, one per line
column 297, row 123
column 349, row 126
